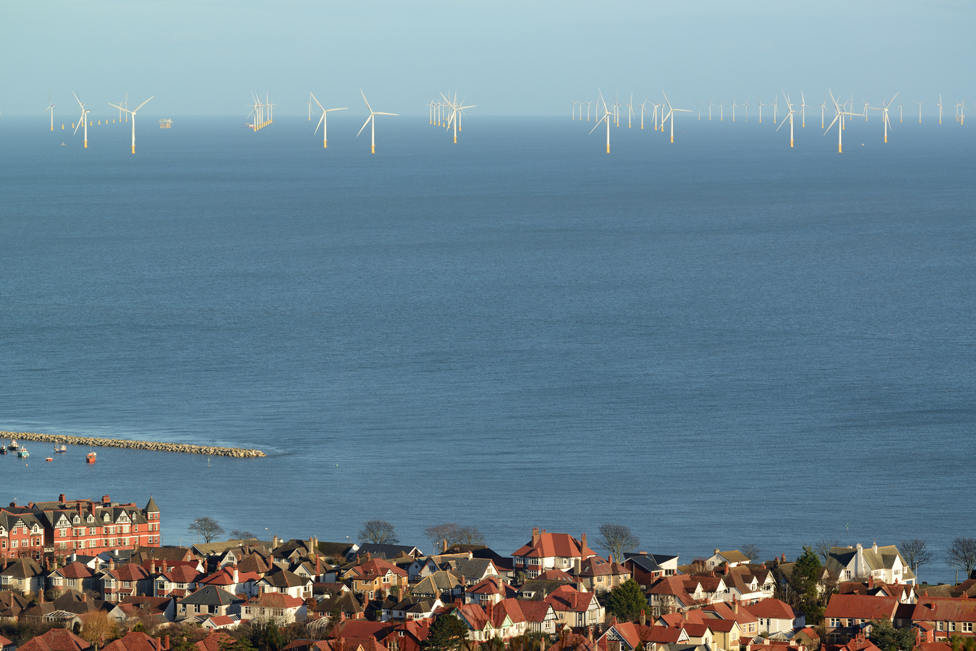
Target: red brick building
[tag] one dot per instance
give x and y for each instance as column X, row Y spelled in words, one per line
column 76, row 526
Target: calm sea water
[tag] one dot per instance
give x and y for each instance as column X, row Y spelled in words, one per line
column 718, row 342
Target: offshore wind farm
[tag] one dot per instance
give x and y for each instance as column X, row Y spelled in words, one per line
column 575, row 295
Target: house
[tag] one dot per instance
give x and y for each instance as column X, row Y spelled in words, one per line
column 670, row 594
column 547, row 551
column 747, row 624
column 56, row 639
column 647, row 568
column 374, row 575
column 729, row 559
column 421, row 568
column 633, row 636
column 217, row 622
column 598, row 574
column 491, row 590
column 214, row 641
column 285, row 582
column 473, row 570
column 412, row 608
column 158, row 609
column 124, row 581
column 234, row 582
column 274, row 606
column 503, row 620
column 849, row 615
column 904, row 592
column 884, row 564
column 68, row 525
column 775, row 616
column 441, row 585
column 11, row 605
column 136, row 641
column 207, row 601
column 7, row 645
column 178, row 581
column 540, row 617
column 948, row 617
column 341, row 605
column 24, row 576
column 574, row 608
column 73, row 576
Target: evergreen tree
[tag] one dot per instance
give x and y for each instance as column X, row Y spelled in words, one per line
column 447, row 633
column 626, row 601
column 888, row 638
column 804, row 583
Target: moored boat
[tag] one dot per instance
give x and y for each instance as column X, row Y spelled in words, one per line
column 23, row 453
column 63, row 448
column 13, row 445
column 49, row 458
column 90, row 458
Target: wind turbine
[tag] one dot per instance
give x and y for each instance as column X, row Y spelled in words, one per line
column 710, row 105
column 133, row 114
column 823, row 106
column 747, row 110
column 456, row 111
column 643, row 108
column 919, row 112
column 699, row 109
column 123, row 105
column 760, row 107
column 789, row 115
column 901, row 112
column 733, row 108
column 323, row 122
column 573, row 104
column 371, row 120
column 50, row 107
column 630, row 110
column 721, row 111
column 840, row 119
column 775, row 109
column 803, row 108
column 606, row 118
column 961, row 118
column 309, row 102
column 671, row 112
column 884, row 115
column 83, row 119
column 940, row 108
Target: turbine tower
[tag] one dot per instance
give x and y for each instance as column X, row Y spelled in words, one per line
column 371, row 120
column 607, row 116
column 82, row 119
column 671, row 112
column 133, row 114
column 50, row 107
column 884, row 115
column 789, row 105
column 323, row 122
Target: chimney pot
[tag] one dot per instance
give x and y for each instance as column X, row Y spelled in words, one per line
column 61, row 498
column 166, row 642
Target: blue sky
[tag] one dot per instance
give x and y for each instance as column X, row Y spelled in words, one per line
column 529, row 57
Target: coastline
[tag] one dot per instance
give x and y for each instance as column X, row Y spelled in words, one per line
column 153, row 446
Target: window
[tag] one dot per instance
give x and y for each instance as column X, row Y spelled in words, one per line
column 834, row 622
column 939, row 626
column 967, row 627
column 952, row 626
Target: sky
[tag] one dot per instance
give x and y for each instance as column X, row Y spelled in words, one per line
column 528, row 57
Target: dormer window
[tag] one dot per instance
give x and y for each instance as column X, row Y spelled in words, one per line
column 76, row 519
column 91, row 518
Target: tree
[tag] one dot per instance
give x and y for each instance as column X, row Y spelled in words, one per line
column 626, row 601
column 447, row 633
column 752, row 552
column 378, row 532
column 617, row 539
column 804, row 584
column 207, row 528
column 916, row 553
column 962, row 554
column 272, row 636
column 97, row 629
column 454, row 534
column 888, row 638
column 823, row 546
column 242, row 534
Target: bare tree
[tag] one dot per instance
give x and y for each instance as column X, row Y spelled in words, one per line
column 438, row 533
column 468, row 536
column 962, row 555
column 823, row 546
column 617, row 539
column 242, row 534
column 97, row 629
column 752, row 552
column 916, row 553
column 207, row 528
column 378, row 532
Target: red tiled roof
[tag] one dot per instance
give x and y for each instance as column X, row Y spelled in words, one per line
column 130, row 572
column 134, row 641
column 549, row 545
column 771, row 609
column 76, row 571
column 275, row 600
column 555, row 575
column 946, row 609
column 568, row 598
column 212, row 641
column 695, row 630
column 535, row 611
column 858, row 606
column 56, row 639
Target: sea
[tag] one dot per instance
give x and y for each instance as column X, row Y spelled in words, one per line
column 717, row 342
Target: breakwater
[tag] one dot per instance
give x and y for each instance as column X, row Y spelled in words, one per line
column 185, row 448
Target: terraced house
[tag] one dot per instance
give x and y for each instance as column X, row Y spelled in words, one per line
column 83, row 526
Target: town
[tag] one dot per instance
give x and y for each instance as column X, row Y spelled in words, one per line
column 86, row 575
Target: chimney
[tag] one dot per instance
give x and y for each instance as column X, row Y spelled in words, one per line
column 111, row 563
column 583, row 541
column 870, row 582
column 164, row 566
column 444, row 546
column 716, row 552
column 784, row 558
column 105, row 500
column 735, row 605
column 61, row 498
column 84, row 596
column 535, row 536
column 152, row 565
column 874, row 546
column 274, row 542
column 159, row 644
column 342, row 615
column 610, row 558
column 237, row 576
column 643, row 617
column 166, row 642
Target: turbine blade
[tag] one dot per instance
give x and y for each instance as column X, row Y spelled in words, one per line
column 315, row 100
column 366, row 122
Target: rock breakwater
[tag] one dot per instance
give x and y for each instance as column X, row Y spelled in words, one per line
column 185, row 448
